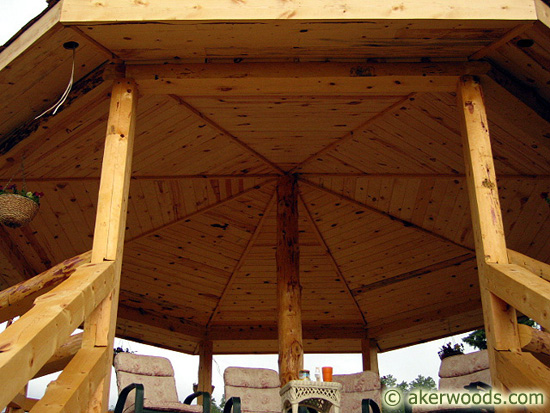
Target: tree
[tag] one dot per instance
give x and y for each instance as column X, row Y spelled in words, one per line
column 422, row 382
column 217, row 408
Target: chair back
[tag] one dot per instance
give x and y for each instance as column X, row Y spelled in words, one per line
column 155, row 373
column 356, row 387
column 257, row 388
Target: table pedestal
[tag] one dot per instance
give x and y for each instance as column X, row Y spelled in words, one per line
column 318, row 395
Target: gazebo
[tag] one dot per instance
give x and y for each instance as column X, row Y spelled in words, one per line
column 274, row 177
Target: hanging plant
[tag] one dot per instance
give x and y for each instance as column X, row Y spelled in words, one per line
column 18, row 207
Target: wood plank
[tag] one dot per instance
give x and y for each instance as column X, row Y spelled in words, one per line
column 289, row 297
column 33, row 339
column 536, row 267
column 77, row 382
column 302, row 78
column 521, row 289
column 62, row 356
column 78, row 11
column 522, row 371
column 16, row 300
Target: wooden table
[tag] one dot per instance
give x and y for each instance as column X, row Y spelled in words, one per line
column 318, row 395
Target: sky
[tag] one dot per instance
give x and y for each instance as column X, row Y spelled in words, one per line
column 405, row 364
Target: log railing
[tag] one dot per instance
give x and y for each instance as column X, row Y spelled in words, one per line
column 30, row 343
column 523, row 284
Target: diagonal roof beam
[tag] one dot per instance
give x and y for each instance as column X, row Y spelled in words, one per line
column 390, row 109
column 383, row 213
column 243, row 258
column 199, row 211
column 329, row 255
column 225, row 132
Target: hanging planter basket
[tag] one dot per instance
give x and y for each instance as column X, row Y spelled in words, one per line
column 17, row 210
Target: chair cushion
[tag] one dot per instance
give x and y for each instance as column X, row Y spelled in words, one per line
column 356, row 387
column 156, row 389
column 164, row 407
column 462, row 364
column 144, row 365
column 257, row 388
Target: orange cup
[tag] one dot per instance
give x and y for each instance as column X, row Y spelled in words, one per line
column 327, row 373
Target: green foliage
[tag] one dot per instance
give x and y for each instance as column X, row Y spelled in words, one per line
column 217, row 408
column 389, row 381
column 449, row 350
column 12, row 189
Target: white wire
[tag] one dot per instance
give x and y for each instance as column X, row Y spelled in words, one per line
column 65, row 95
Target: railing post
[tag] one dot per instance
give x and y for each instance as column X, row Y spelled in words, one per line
column 500, row 319
column 99, row 328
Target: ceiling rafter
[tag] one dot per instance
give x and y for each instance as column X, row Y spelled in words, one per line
column 15, row 256
column 199, row 211
column 516, row 31
column 332, row 260
column 458, row 260
column 242, row 259
column 383, row 213
column 349, row 135
column 225, row 132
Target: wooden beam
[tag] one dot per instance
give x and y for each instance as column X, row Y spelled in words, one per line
column 242, row 260
column 383, row 213
column 522, row 371
column 184, row 328
column 455, row 261
column 31, row 341
column 225, row 133
column 19, row 298
column 332, row 260
column 516, row 31
column 289, row 290
column 534, row 340
column 369, row 350
column 521, row 289
column 200, row 211
column 62, row 356
column 280, row 79
column 269, row 332
column 84, row 11
column 21, row 404
column 500, row 318
column 108, row 243
column 206, row 353
column 536, row 267
column 77, row 383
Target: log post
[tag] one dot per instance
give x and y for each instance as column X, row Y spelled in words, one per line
column 369, row 349
column 500, row 319
column 289, row 291
column 99, row 328
column 206, row 352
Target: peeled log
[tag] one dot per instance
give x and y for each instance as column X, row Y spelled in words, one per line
column 289, row 291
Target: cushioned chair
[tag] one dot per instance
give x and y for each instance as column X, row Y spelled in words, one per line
column 152, row 379
column 360, row 392
column 252, row 390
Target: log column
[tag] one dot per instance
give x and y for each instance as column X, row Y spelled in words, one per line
column 500, row 319
column 289, row 291
column 206, row 352
column 369, row 349
column 108, row 244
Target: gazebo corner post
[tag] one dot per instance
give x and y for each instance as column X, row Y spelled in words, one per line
column 490, row 243
column 369, row 350
column 206, row 354
column 110, row 225
column 289, row 290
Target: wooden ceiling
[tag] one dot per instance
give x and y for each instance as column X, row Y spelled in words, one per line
column 385, row 234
